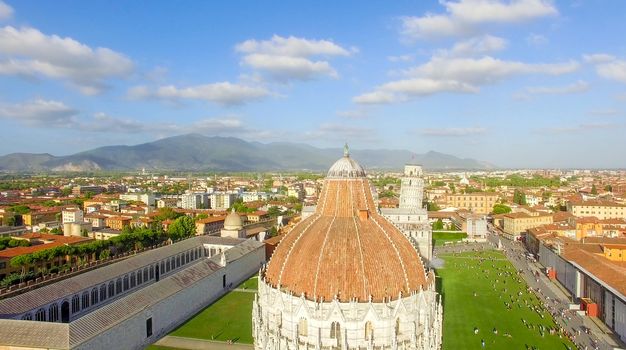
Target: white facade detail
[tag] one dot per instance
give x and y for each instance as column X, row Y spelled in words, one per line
column 284, row 321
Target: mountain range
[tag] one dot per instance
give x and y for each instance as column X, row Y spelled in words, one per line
column 194, row 152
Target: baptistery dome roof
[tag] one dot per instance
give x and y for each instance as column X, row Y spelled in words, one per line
column 346, row 249
column 233, row 221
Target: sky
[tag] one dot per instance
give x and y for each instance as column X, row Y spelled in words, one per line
column 517, row 83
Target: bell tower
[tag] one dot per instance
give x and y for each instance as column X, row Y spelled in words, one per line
column 412, row 187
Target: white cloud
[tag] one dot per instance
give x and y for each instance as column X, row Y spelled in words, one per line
column 615, row 70
column 29, row 52
column 354, row 114
column 458, row 75
column 577, row 87
column 486, row 70
column 608, row 66
column 341, row 133
column 400, row 58
column 467, row 17
column 39, row 113
column 536, row 40
column 477, row 46
column 291, row 58
column 453, row 132
column 604, row 112
column 598, row 58
column 6, row 11
column 587, row 127
column 223, row 93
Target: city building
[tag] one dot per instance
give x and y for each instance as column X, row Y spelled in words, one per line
column 599, row 208
column 592, row 276
column 479, row 202
column 222, row 200
column 69, row 215
column 194, row 201
column 516, row 224
column 146, row 198
column 117, row 222
column 210, row 226
column 233, row 226
column 324, row 287
column 411, row 217
column 131, row 303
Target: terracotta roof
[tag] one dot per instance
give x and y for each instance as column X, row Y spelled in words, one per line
column 211, row 219
column 587, row 256
column 336, row 253
column 59, row 241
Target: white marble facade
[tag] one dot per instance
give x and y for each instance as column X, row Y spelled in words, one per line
column 282, row 321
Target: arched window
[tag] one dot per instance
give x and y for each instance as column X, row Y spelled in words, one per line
column 126, row 284
column 133, row 280
column 85, row 300
column 118, row 286
column 335, row 330
column 152, row 270
column 369, row 330
column 94, row 296
column 103, row 292
column 75, row 304
column 145, row 274
column 53, row 313
column 28, row 317
column 178, row 261
column 111, row 289
column 397, row 326
column 139, row 277
column 40, row 315
column 167, row 266
column 303, row 329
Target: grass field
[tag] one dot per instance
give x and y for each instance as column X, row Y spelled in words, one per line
column 440, row 238
column 230, row 317
column 472, row 298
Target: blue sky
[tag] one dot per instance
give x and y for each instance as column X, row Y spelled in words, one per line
column 518, row 83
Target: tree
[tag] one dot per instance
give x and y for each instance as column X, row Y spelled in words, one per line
column 519, row 197
column 166, row 214
column 273, row 211
column 438, row 225
column 608, row 188
column 201, row 216
column 431, row 206
column 501, row 209
column 182, row 227
column 594, row 190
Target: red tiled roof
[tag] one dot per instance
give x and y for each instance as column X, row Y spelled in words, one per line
column 336, row 253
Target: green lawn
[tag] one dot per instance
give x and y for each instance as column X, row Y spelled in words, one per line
column 471, row 300
column 230, row 317
column 159, row 347
column 251, row 283
column 439, row 238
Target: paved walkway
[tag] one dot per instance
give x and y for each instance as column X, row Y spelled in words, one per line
column 199, row 344
column 245, row 290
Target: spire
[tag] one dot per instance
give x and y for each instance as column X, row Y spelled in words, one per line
column 346, row 150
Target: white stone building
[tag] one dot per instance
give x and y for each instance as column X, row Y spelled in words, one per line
column 411, row 217
column 346, row 278
column 132, row 303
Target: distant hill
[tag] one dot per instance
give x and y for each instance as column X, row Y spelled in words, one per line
column 196, row 152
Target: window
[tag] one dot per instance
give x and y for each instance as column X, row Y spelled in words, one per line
column 335, row 330
column 85, row 300
column 139, row 277
column 145, row 274
column 369, row 330
column 133, row 281
column 303, row 329
column 149, row 327
column 75, row 304
column 224, row 281
column 126, row 284
column 40, row 315
column 118, row 286
column 103, row 292
column 94, row 296
column 53, row 313
column 152, row 270
column 397, row 326
column 111, row 289
column 28, row 317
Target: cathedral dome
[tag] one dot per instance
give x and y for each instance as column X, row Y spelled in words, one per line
column 346, row 250
column 233, row 221
column 346, row 167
